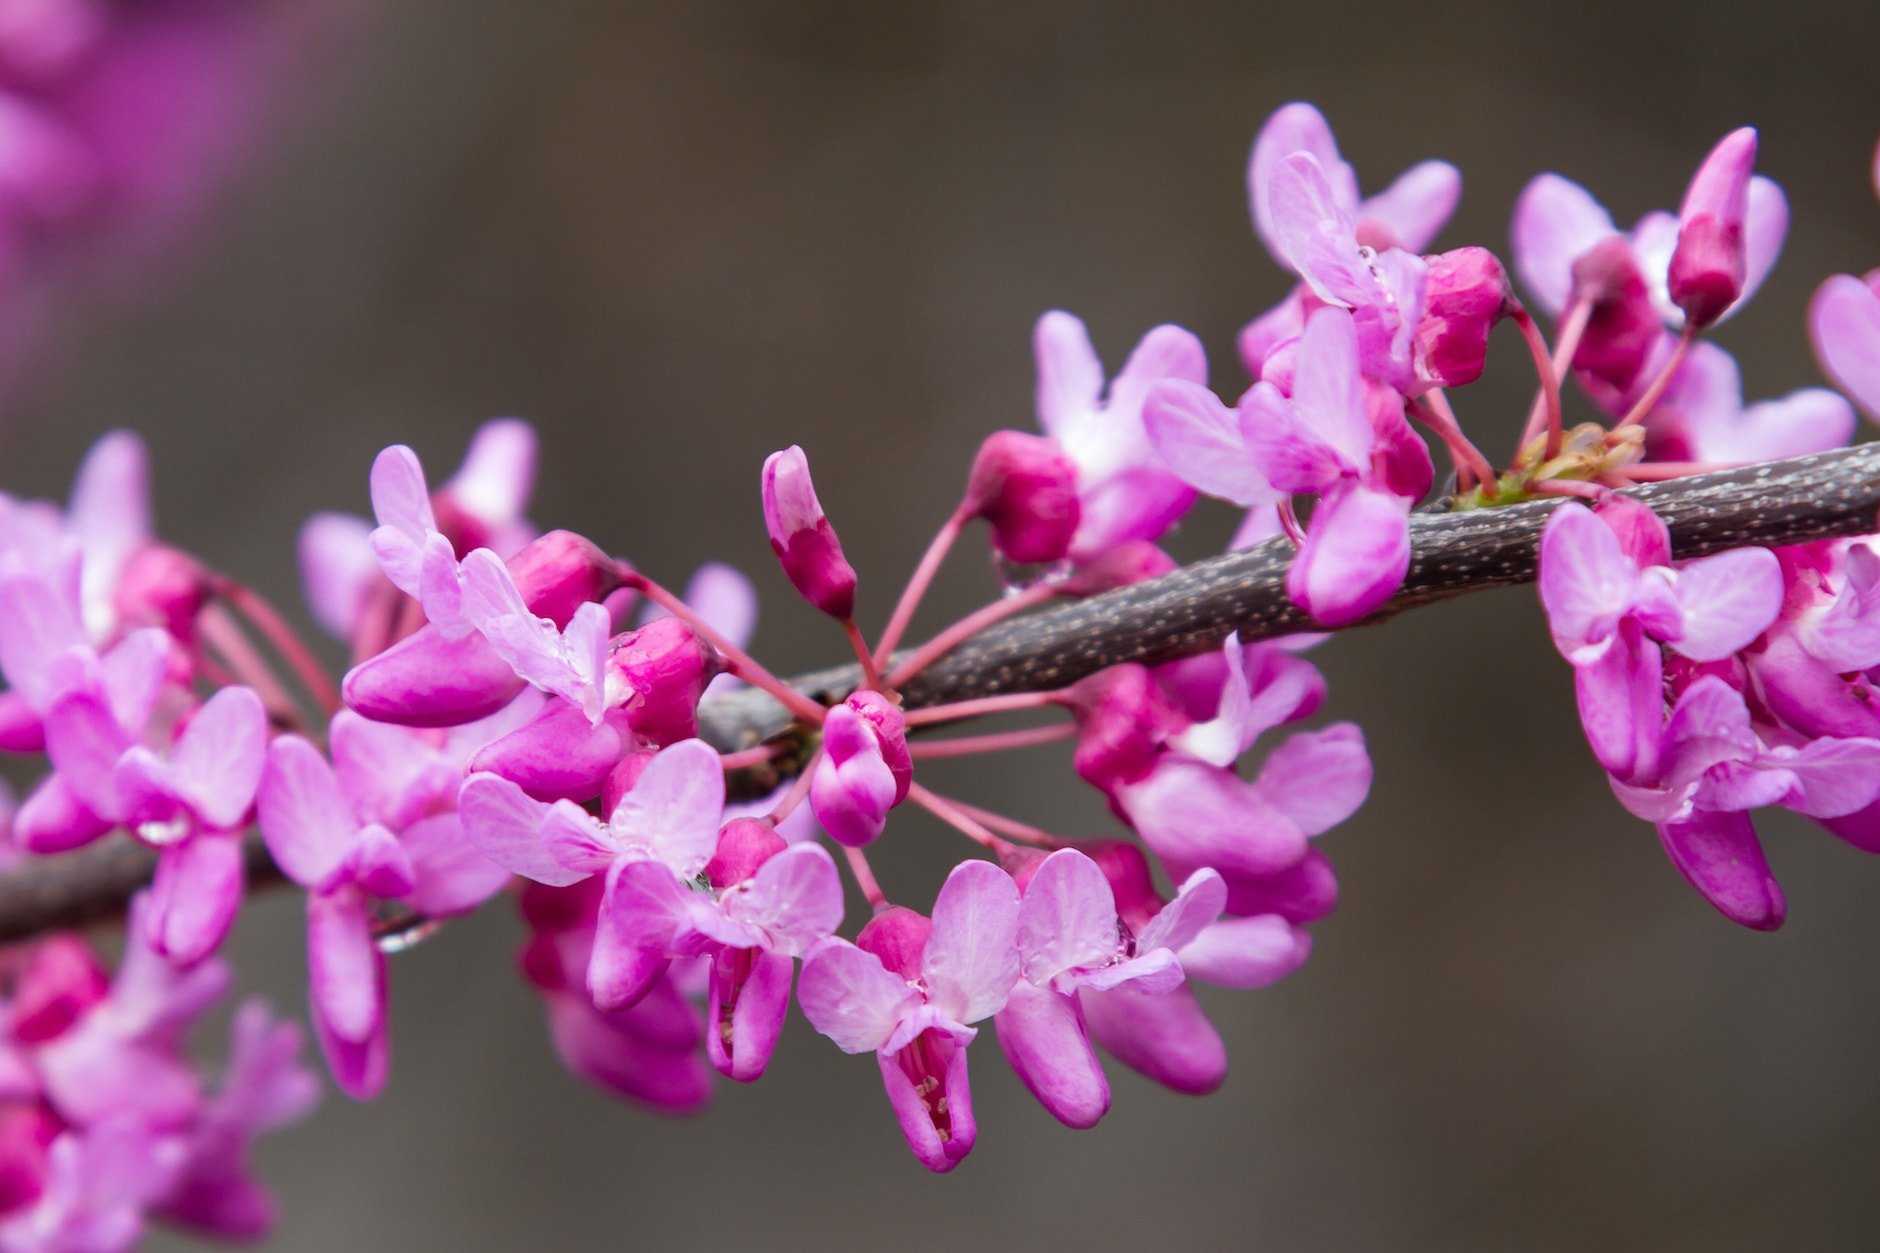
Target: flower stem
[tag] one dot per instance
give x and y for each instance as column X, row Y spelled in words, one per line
column 799, row 788
column 1572, row 330
column 951, row 814
column 1656, row 391
column 980, row 706
column 758, row 756
column 286, row 641
column 998, row 742
column 244, row 664
column 1435, row 413
column 1549, row 373
column 865, row 879
column 1011, row 826
column 742, row 664
column 917, row 587
column 871, row 673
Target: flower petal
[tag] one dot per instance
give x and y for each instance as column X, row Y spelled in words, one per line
column 971, row 959
column 849, row 996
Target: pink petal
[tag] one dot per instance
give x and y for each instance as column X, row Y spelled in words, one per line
column 936, row 1152
column 304, row 819
column 1317, row 235
column 194, row 897
column 1070, row 377
column 389, row 773
column 1844, row 322
column 849, row 996
column 400, row 497
column 1197, row 904
column 1164, row 352
column 53, row 820
column 1296, row 127
column 1199, row 438
column 676, row 808
column 1246, row 952
column 38, row 622
column 345, row 970
column 452, row 874
column 337, row 570
column 1720, row 856
column 1163, row 1036
column 218, row 759
column 109, row 510
column 741, row 1047
column 504, row 823
column 1318, row 778
column 576, row 842
column 971, row 959
column 1727, row 601
column 1417, row 206
column 1832, row 778
column 1808, row 421
column 648, row 907
column 425, row 680
column 1764, row 231
column 605, row 1050
column 1066, row 918
column 725, row 599
column 560, row 755
column 1286, row 450
column 498, row 472
column 1586, row 582
column 620, row 969
column 1621, row 702
column 1556, row 222
column 85, row 743
column 359, row 1067
column 1328, row 392
column 1196, row 815
column 1042, row 1035
column 795, row 897
column 1356, row 554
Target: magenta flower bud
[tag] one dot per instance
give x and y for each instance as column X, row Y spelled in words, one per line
column 558, row 754
column 425, row 680
column 667, row 666
column 890, row 727
column 744, row 844
column 62, row 980
column 1623, row 326
column 164, row 587
column 1643, row 536
column 1122, row 566
column 1709, row 265
column 1122, row 719
column 1468, row 294
column 897, row 936
column 623, row 776
column 1026, row 490
column 802, row 538
column 854, row 785
column 560, row 572
column 1131, row 882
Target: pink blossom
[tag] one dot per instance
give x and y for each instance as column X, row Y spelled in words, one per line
column 671, row 815
column 1124, row 492
column 1701, row 416
column 1026, row 490
column 1407, row 214
column 910, row 989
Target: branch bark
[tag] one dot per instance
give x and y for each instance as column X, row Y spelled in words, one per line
column 1189, row 611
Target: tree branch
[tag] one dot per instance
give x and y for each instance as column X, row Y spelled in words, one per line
column 1190, row 611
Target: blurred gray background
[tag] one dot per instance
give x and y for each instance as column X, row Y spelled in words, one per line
column 678, row 239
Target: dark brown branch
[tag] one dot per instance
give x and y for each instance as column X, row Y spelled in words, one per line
column 1187, row 612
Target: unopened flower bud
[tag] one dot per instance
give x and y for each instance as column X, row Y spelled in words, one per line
column 1026, row 490
column 897, row 936
column 863, row 772
column 800, row 535
column 1468, row 294
column 1122, row 719
column 667, row 666
column 1623, row 325
column 744, row 844
column 1710, row 262
column 164, row 587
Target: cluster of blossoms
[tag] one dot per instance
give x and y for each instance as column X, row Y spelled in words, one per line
column 526, row 713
